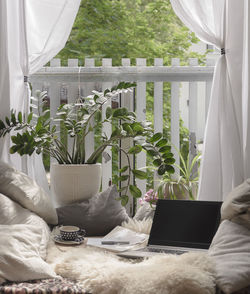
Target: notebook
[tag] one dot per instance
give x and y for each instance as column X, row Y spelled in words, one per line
column 180, row 226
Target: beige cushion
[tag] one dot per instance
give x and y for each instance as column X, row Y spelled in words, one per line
column 21, row 250
column 23, row 190
column 230, row 249
column 11, row 213
column 24, row 238
column 236, row 207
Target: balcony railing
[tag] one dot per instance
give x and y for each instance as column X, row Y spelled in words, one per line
column 190, row 88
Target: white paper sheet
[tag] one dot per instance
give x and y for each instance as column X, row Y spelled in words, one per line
column 119, row 234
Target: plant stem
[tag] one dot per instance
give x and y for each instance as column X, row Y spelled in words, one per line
column 129, row 168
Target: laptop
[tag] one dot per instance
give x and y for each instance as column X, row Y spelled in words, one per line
column 180, row 226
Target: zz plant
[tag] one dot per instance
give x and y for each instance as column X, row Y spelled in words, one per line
column 40, row 133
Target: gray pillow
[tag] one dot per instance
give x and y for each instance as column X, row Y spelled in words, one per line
column 231, row 252
column 236, row 207
column 97, row 215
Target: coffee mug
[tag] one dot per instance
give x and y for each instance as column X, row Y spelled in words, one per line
column 70, row 233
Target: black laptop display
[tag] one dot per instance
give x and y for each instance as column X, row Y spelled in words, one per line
column 180, row 226
column 185, row 223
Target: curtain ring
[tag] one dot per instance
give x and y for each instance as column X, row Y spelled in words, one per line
column 222, row 51
column 25, row 79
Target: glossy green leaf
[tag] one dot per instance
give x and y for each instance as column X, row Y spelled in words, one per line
column 152, row 152
column 127, row 128
column 7, row 121
column 156, row 137
column 106, row 91
column 167, row 155
column 13, row 118
column 20, row 117
column 170, row 160
column 121, row 189
column 123, row 178
column 124, row 200
column 161, row 170
column 115, row 133
column 140, row 174
column 98, row 115
column 39, row 124
column 122, row 170
column 157, row 162
column 2, row 125
column 13, row 149
column 136, row 192
column 115, row 179
column 16, row 139
column 108, row 112
column 118, row 112
column 162, row 143
column 137, row 127
column 170, row 169
column 135, row 149
column 165, row 149
column 29, row 117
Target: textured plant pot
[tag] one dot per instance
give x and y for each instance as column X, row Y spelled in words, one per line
column 72, row 183
column 179, row 193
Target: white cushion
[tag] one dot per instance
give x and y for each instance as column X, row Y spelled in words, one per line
column 24, row 238
column 12, row 213
column 21, row 247
column 22, row 189
column 230, row 249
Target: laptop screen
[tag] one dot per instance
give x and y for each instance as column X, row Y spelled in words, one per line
column 185, row 223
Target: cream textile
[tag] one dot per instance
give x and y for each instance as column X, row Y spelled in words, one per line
column 226, row 155
column 25, row 191
column 31, row 33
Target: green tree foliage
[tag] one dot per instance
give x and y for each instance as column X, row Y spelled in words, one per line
column 128, row 29
column 132, row 29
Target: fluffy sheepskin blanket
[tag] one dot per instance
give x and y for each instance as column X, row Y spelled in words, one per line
column 102, row 272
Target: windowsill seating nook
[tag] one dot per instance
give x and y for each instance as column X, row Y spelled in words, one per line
column 19, row 225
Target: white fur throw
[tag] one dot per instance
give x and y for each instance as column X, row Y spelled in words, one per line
column 143, row 226
column 102, row 272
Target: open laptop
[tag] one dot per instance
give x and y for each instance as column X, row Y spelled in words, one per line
column 180, row 226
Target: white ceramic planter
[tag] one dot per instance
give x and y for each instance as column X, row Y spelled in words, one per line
column 72, row 183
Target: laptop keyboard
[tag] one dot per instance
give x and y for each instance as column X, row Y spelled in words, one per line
column 172, row 251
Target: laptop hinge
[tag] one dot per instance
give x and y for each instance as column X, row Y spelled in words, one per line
column 176, row 248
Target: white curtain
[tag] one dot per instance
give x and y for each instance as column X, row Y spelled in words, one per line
column 226, row 153
column 31, row 33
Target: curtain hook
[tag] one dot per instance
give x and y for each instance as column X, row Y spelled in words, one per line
column 79, row 97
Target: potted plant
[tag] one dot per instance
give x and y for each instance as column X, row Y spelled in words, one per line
column 185, row 186
column 38, row 132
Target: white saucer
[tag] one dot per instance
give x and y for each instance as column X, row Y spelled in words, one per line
column 77, row 241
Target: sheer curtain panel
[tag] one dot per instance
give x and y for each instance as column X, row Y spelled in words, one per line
column 226, row 153
column 31, row 33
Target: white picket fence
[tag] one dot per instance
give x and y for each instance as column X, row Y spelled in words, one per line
column 190, row 93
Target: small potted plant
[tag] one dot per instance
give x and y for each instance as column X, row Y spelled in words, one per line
column 39, row 133
column 185, row 186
